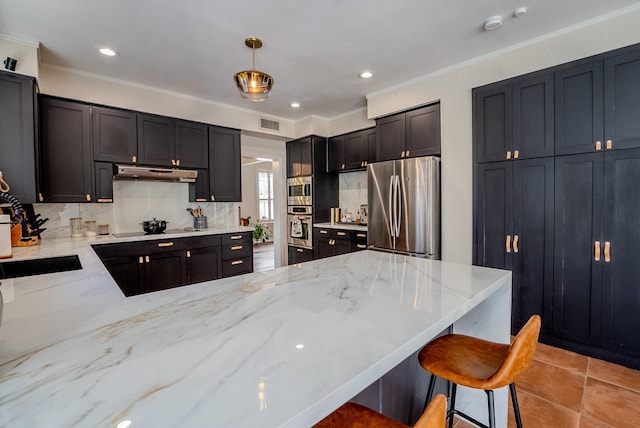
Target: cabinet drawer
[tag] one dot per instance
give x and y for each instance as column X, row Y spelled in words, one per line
column 235, row 251
column 235, row 238
column 360, row 237
column 237, row 266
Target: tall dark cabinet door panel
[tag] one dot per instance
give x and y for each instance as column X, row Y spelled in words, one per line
column 355, row 150
column 335, row 153
column 621, row 275
column 306, row 156
column 533, row 117
column 622, row 100
column 224, row 165
column 532, row 245
column 114, row 135
column 578, row 109
column 423, row 131
column 66, row 151
column 578, row 224
column 493, row 122
column 192, row 148
column 165, row 270
column 494, row 214
column 103, row 182
column 390, row 137
column 156, row 140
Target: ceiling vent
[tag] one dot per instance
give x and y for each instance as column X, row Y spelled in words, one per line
column 269, row 124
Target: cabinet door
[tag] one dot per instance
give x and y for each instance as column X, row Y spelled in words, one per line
column 293, row 159
column 578, row 108
column 621, row 284
column 17, row 138
column 494, row 212
column 164, row 270
column 533, row 117
column 533, row 240
column 493, row 125
column 192, row 147
column 355, row 150
column 423, row 131
column 390, row 135
column 66, row 162
column 114, row 135
column 341, row 246
column 306, row 157
column 370, row 137
column 224, row 165
column 103, row 182
column 299, row 255
column 199, row 191
column 156, row 140
column 622, row 100
column 578, row 224
column 322, row 244
column 203, row 264
column 128, row 273
column 336, row 153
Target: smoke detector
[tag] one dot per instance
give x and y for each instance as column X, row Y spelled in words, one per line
column 493, row 23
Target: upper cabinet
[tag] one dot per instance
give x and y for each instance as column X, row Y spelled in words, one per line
column 299, row 157
column 409, row 134
column 514, row 119
column 224, row 165
column 596, row 104
column 66, row 167
column 156, row 140
column 192, row 148
column 351, row 151
column 114, row 135
column 17, row 138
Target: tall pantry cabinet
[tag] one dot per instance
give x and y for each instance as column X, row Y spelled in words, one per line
column 561, row 208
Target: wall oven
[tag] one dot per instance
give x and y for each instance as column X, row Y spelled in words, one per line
column 300, row 226
column 299, row 191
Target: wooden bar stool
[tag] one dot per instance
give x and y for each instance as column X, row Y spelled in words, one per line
column 480, row 364
column 353, row 415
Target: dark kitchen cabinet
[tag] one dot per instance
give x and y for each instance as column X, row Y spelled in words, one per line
column 65, row 163
column 370, row 136
column 328, row 242
column 299, row 255
column 351, row 151
column 514, row 119
column 224, row 165
column 299, row 157
column 199, row 191
column 17, row 135
column 164, row 270
column 237, row 253
column 127, row 272
column 114, row 135
column 192, row 144
column 156, row 140
column 622, row 101
column 336, row 153
column 409, row 134
column 103, row 182
column 204, row 264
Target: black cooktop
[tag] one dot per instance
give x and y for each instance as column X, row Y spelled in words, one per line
column 166, row 232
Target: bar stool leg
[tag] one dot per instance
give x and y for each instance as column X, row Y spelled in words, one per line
column 492, row 410
column 432, row 384
column 516, row 407
column 452, row 405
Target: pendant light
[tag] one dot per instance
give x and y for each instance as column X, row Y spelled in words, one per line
column 253, row 85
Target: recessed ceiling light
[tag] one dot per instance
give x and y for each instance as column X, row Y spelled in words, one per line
column 519, row 12
column 299, row 346
column 107, row 52
column 493, row 23
column 365, row 75
column 295, row 104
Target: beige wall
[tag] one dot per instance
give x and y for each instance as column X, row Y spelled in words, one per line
column 25, row 52
column 453, row 88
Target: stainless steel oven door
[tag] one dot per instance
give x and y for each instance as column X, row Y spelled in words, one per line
column 299, row 191
column 300, row 230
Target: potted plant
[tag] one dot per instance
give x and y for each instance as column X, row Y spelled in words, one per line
column 260, row 232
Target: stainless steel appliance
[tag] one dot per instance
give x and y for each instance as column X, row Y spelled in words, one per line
column 149, row 173
column 300, row 226
column 364, row 214
column 299, row 191
column 404, row 206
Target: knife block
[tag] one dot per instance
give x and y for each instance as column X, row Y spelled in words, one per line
column 16, row 235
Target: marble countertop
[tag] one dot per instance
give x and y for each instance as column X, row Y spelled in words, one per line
column 342, row 226
column 278, row 348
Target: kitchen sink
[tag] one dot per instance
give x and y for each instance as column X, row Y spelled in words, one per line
column 22, row 268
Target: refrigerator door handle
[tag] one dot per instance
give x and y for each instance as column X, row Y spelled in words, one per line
column 392, row 225
column 399, row 204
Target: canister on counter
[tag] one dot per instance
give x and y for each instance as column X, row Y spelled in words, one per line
column 5, row 236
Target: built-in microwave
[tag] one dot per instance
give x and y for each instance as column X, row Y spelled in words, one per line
column 299, row 191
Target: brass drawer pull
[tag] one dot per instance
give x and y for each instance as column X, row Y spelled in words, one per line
column 361, row 235
column 598, row 145
column 188, row 254
column 236, row 262
column 516, row 154
column 201, row 199
column 609, row 145
column 105, row 200
column 140, row 260
column 236, row 247
column 146, row 259
column 515, row 244
column 300, row 250
column 509, row 154
column 361, row 246
column 341, row 233
column 508, row 244
column 596, row 255
column 134, row 159
column 607, row 251
column 165, row 244
column 234, row 237
column 324, row 232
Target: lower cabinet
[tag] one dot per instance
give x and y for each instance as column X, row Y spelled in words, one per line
column 329, row 242
column 143, row 267
column 299, row 255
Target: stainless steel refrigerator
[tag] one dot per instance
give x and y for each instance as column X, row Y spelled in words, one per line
column 404, row 206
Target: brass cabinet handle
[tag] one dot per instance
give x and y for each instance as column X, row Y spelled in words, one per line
column 508, row 154
column 234, row 237
column 140, row 260
column 607, row 251
column 402, row 154
column 515, row 244
column 173, row 162
column 177, row 162
column 361, row 246
column 596, row 255
column 188, row 253
column 213, row 198
column 134, row 159
column 236, row 262
column 407, row 154
column 87, row 197
column 516, row 154
column 332, row 242
column 365, row 163
column 324, row 232
column 146, row 259
column 508, row 244
column 609, row 145
column 598, row 145
column 105, row 200
column 361, row 235
column 165, row 244
column 341, row 233
column 236, row 247
column 300, row 250
column 342, row 166
column 40, row 197
column 362, row 163
column 201, row 199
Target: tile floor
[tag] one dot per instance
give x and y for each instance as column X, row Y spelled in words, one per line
column 567, row 390
column 263, row 257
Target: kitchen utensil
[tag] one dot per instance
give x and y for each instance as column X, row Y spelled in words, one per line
column 200, row 222
column 37, row 232
column 191, row 212
column 364, row 213
column 154, row 226
column 76, row 227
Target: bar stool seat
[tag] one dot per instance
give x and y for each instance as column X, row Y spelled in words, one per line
column 351, row 415
column 480, row 364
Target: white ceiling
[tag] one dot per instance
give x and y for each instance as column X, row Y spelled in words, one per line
column 313, row 49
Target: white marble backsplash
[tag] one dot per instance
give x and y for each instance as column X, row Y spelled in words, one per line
column 135, row 202
column 353, row 191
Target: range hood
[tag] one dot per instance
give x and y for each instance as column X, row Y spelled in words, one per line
column 149, row 173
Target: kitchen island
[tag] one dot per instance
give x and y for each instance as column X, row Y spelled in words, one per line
column 278, row 348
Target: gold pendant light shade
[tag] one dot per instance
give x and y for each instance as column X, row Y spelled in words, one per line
column 253, row 85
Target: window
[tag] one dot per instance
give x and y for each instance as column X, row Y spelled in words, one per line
column 265, row 195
